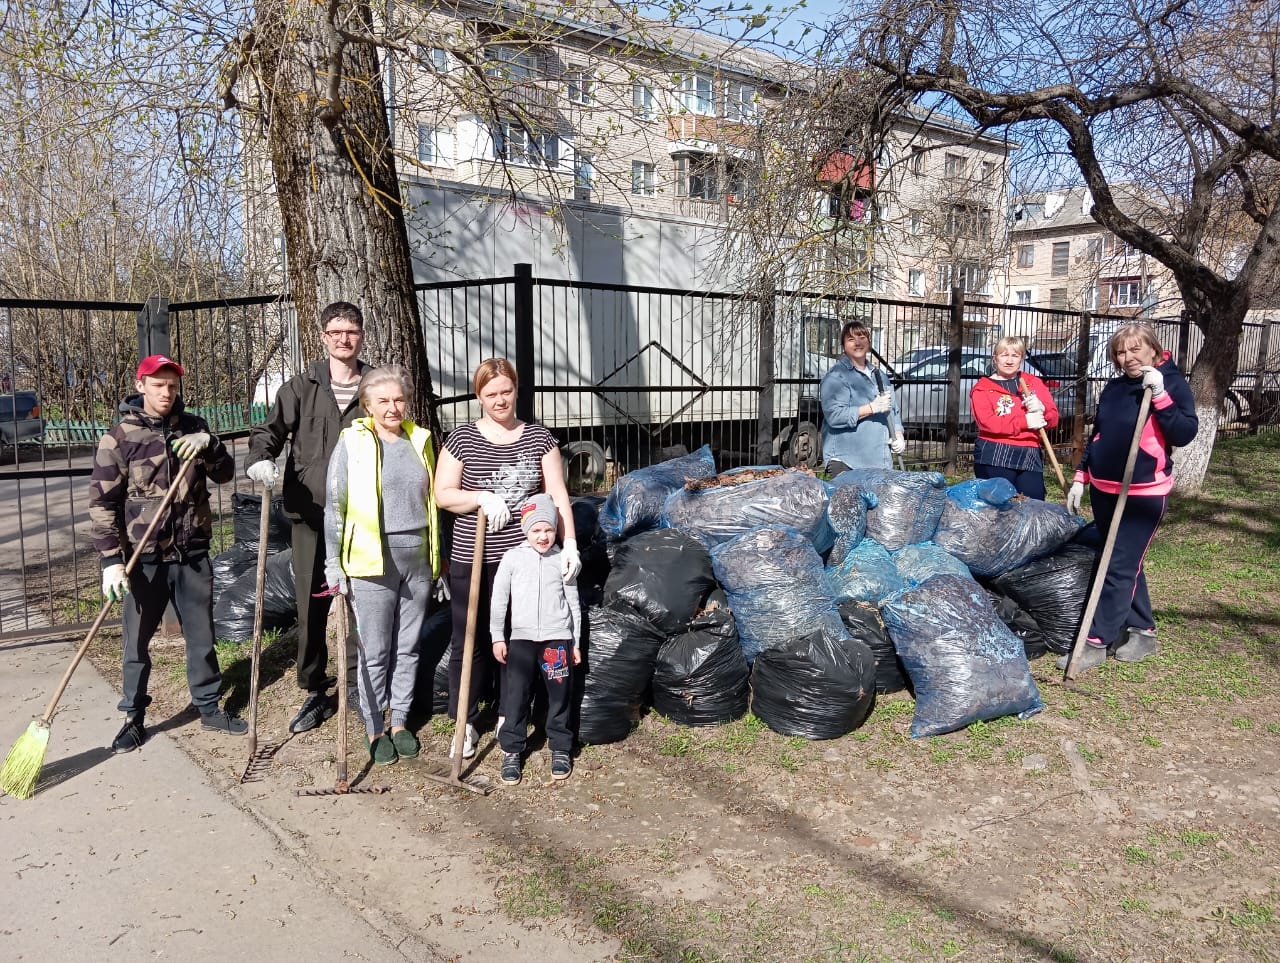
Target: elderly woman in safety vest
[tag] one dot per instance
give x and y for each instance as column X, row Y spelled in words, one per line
column 383, row 550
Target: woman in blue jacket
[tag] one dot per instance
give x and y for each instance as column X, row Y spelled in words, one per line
column 1123, row 616
column 860, row 420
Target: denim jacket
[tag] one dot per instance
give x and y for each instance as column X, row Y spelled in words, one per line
column 858, row 442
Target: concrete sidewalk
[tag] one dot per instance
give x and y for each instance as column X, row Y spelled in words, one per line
column 121, row 857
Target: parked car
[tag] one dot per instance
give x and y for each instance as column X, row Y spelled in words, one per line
column 20, row 418
column 909, row 359
column 922, row 390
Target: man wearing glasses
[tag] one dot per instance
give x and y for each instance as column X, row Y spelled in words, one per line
column 310, row 411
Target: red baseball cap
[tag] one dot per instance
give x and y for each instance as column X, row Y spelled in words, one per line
column 154, row 362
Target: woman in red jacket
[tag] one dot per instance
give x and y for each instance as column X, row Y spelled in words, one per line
column 1010, row 407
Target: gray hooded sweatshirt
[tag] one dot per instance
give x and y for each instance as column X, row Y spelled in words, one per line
column 543, row 607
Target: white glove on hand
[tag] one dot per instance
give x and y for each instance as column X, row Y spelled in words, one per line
column 570, row 561
column 1032, row 403
column 1074, row 497
column 335, row 578
column 188, row 446
column 898, row 445
column 881, row 403
column 442, row 593
column 496, row 512
column 115, row 584
column 1035, row 420
column 1153, row 379
column 265, row 473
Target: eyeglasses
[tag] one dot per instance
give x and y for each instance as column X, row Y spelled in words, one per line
column 344, row 334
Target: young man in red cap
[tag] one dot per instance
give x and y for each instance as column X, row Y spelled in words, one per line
column 137, row 461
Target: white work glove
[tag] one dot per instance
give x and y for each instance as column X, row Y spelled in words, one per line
column 115, row 584
column 442, row 593
column 898, row 445
column 1074, row 497
column 1033, row 403
column 264, row 472
column 1153, row 379
column 335, row 578
column 570, row 561
column 881, row 403
column 188, row 446
column 496, row 512
column 1035, row 420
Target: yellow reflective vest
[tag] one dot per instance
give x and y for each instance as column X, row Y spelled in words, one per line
column 361, row 526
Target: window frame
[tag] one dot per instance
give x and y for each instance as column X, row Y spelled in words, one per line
column 644, row 175
column 690, row 91
column 1029, row 250
column 1060, row 267
column 579, row 86
column 643, row 105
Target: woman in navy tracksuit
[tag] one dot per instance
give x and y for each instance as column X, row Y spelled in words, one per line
column 1124, row 605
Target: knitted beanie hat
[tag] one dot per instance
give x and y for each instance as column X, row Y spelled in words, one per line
column 539, row 508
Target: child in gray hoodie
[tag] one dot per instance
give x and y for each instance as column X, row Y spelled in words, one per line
column 546, row 629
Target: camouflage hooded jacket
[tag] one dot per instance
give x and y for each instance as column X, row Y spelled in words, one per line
column 133, row 469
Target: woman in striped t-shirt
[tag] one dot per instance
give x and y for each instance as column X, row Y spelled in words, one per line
column 494, row 464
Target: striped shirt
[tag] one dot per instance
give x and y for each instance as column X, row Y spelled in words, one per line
column 344, row 394
column 513, row 471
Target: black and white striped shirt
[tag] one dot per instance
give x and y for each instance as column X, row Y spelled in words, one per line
column 344, row 394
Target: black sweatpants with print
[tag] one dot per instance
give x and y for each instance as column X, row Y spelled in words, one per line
column 530, row 664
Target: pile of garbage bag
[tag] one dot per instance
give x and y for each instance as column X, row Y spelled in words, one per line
column 235, row 572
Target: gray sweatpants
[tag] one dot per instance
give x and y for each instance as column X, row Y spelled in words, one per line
column 389, row 612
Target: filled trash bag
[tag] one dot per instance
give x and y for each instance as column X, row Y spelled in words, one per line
column 634, row 504
column 233, row 612
column 919, row 562
column 777, row 591
column 246, row 515
column 1054, row 591
column 230, row 565
column 866, row 572
column 1020, row 623
column 814, row 686
column 862, row 620
column 665, row 575
column 964, row 664
column 908, row 503
column 717, row 508
column 593, row 549
column 991, row 528
column 848, row 507
column 619, row 649
column 701, row 677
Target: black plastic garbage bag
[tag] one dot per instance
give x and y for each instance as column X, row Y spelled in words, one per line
column 431, row 691
column 701, row 677
column 246, row 515
column 593, row 548
column 230, row 565
column 619, row 649
column 716, row 509
column 991, row 528
column 908, row 503
column 866, row 572
column 863, row 622
column 634, row 504
column 1053, row 591
column 776, row 587
column 814, row 686
column 916, row 563
column 1020, row 623
column 665, row 575
column 964, row 664
column 233, row 612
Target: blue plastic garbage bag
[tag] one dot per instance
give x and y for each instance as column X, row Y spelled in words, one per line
column 964, row 664
column 991, row 528
column 814, row 687
column 773, row 578
column 908, row 503
column 619, row 650
column 919, row 562
column 746, row 499
column 634, row 504
column 866, row 573
column 848, row 506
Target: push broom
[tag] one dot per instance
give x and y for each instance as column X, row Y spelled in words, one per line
column 21, row 770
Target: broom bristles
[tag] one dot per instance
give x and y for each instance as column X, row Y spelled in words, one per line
column 22, row 766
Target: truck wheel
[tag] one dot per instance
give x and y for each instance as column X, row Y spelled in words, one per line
column 802, row 446
column 584, row 464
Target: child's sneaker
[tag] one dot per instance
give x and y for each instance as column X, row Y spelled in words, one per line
column 561, row 765
column 511, row 766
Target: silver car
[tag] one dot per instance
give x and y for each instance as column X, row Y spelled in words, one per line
column 20, row 418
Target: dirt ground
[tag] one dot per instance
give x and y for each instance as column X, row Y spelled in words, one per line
column 1136, row 818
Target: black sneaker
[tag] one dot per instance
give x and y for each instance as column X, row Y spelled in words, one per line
column 219, row 720
column 511, row 766
column 129, row 738
column 315, row 710
column 561, row 765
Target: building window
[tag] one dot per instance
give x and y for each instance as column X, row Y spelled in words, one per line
column 643, row 103
column 955, row 165
column 988, row 171
column 511, row 63
column 1026, row 255
column 915, row 282
column 584, row 177
column 974, row 278
column 643, row 179
column 516, row 144
column 968, row 220
column 1126, row 294
column 697, row 95
column 435, row 59
column 875, row 278
column 578, row 87
column 741, row 102
column 1093, row 250
column 1058, row 299
column 1089, row 298
column 1061, row 258
column 696, row 177
column 1023, row 296
column 1117, row 247
column 428, row 145
column 916, row 162
column 917, row 223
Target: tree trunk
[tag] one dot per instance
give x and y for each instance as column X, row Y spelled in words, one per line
column 335, row 180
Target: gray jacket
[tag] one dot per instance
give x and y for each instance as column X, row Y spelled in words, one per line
column 543, row 608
